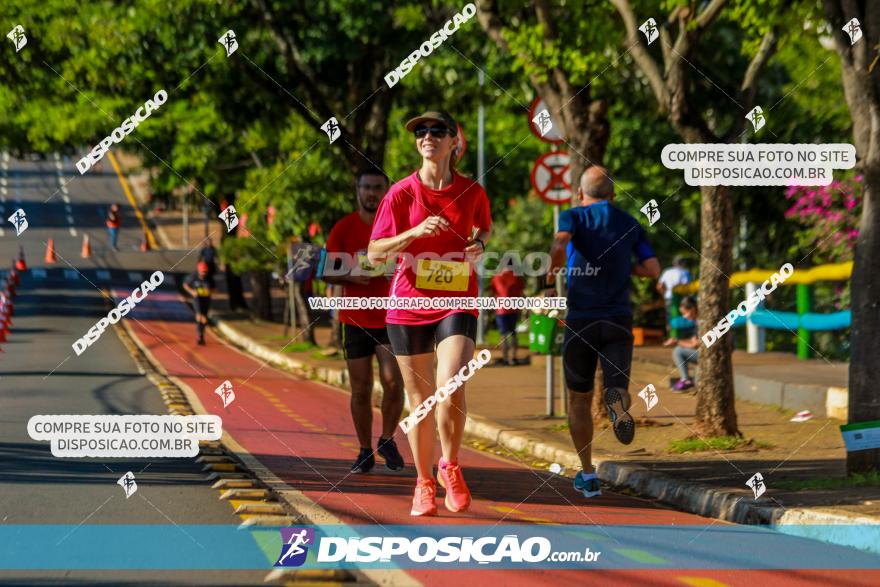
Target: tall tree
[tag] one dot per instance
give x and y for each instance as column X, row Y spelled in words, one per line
column 670, row 79
column 861, row 86
column 557, row 69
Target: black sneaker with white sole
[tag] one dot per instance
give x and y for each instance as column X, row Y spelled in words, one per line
column 617, row 402
column 365, row 461
column 388, row 450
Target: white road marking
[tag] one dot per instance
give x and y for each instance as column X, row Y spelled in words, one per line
column 70, row 219
column 71, row 274
column 2, row 232
column 132, row 276
column 39, row 273
column 72, row 231
column 103, row 275
column 66, row 198
column 67, row 208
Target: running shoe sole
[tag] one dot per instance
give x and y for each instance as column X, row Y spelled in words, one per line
column 446, row 499
column 421, row 514
column 621, row 421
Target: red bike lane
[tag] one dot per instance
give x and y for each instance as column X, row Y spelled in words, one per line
column 301, row 430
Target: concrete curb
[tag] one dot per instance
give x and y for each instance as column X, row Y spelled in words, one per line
column 689, row 496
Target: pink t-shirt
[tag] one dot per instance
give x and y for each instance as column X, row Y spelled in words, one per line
column 464, row 204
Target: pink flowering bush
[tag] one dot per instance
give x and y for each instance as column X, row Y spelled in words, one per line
column 830, row 217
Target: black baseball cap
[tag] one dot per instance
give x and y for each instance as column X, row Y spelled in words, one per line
column 433, row 116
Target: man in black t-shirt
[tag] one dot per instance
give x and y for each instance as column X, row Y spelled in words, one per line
column 199, row 286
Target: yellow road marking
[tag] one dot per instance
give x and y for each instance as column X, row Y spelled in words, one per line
column 702, row 582
column 132, row 201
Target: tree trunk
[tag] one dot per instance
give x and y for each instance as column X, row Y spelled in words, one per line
column 864, row 366
column 235, row 290
column 716, row 413
column 261, row 287
column 305, row 325
column 861, row 87
column 587, row 134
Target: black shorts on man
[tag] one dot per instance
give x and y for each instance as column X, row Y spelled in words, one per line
column 360, row 342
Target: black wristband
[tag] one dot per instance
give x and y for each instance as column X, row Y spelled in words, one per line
column 482, row 244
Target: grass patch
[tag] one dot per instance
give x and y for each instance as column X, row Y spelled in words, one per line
column 871, row 479
column 558, row 427
column 299, row 347
column 715, row 443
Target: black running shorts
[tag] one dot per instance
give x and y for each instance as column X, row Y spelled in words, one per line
column 361, row 342
column 589, row 340
column 418, row 339
column 202, row 305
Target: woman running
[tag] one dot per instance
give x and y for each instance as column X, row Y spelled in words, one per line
column 434, row 213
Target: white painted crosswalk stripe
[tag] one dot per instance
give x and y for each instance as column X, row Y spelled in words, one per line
column 133, row 276
column 72, row 231
column 103, row 274
column 38, row 273
column 71, row 274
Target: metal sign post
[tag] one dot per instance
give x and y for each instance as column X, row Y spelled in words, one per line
column 551, row 178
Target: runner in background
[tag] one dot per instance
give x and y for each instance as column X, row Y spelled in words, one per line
column 438, row 211
column 600, row 242
column 208, row 254
column 671, row 277
column 199, row 287
column 363, row 331
column 507, row 284
column 114, row 220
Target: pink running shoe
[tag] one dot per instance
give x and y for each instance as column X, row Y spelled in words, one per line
column 423, row 500
column 458, row 496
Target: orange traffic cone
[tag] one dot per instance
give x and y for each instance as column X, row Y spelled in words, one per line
column 87, row 247
column 50, row 251
column 20, row 264
column 145, row 243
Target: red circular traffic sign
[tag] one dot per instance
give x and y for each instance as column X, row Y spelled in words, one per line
column 554, row 135
column 551, row 177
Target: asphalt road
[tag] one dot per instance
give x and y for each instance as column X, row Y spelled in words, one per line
column 41, row 374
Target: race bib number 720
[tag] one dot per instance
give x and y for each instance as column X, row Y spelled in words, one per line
column 442, row 275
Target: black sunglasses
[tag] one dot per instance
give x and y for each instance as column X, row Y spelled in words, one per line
column 438, row 132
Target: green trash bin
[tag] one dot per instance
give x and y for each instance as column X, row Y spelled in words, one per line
column 545, row 335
